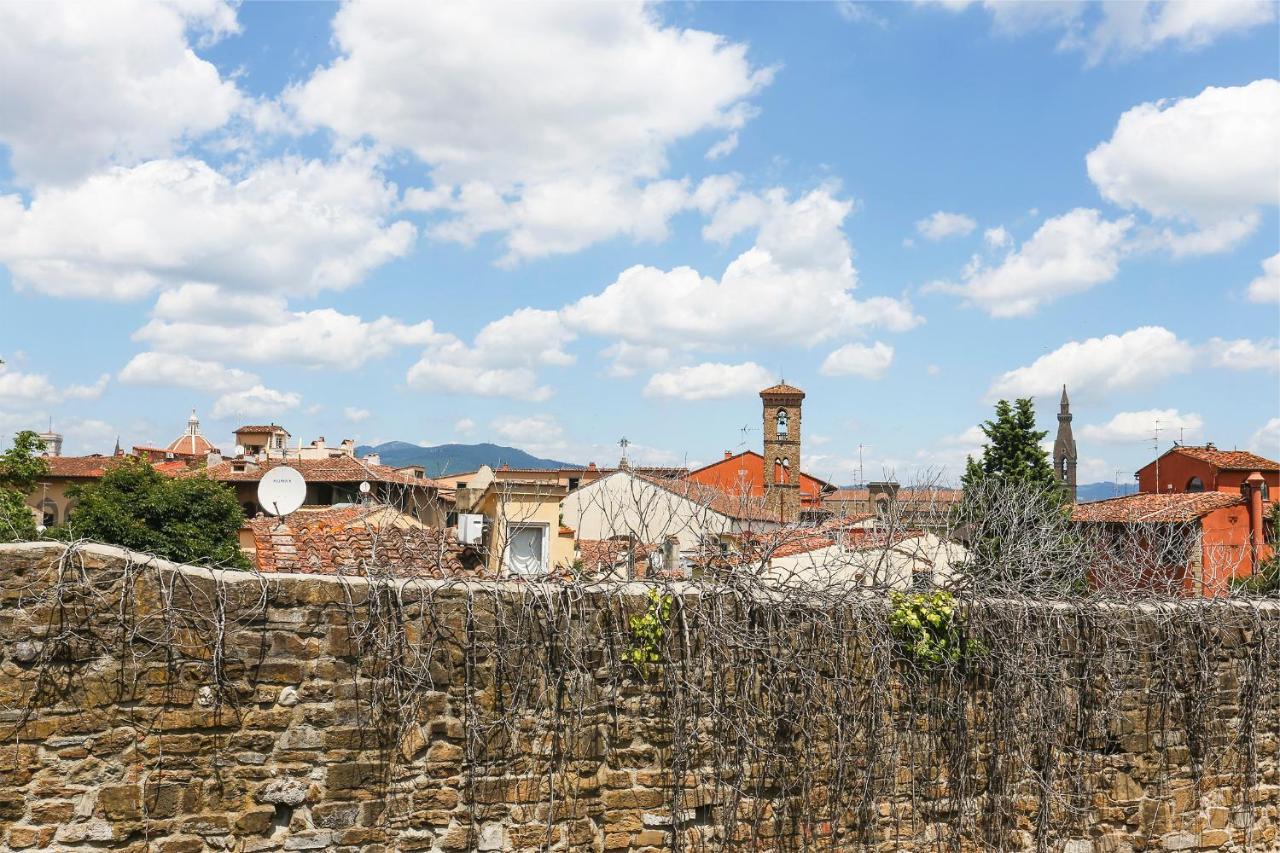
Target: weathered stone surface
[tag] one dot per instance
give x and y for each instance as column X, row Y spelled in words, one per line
column 128, row 751
column 289, row 792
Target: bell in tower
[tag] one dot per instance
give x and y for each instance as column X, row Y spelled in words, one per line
column 782, row 450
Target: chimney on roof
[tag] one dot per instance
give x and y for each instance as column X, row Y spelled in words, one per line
column 1255, row 484
column 728, row 454
column 1208, row 445
column 591, row 466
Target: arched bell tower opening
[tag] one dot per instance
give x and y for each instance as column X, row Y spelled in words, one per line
column 782, row 450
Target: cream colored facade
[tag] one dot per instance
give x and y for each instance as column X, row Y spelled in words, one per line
column 624, row 504
column 900, row 566
column 523, row 529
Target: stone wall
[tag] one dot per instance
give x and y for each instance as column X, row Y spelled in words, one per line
column 146, row 706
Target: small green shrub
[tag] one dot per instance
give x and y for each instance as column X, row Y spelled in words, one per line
column 927, row 628
column 648, row 632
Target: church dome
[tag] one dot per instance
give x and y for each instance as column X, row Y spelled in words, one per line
column 192, row 442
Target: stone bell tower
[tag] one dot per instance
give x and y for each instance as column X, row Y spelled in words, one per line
column 782, row 450
column 1064, row 449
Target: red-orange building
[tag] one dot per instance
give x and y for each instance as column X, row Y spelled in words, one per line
column 1187, row 468
column 742, row 474
column 1217, row 499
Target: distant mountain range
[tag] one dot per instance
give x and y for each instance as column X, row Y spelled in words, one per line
column 445, row 459
column 1086, row 492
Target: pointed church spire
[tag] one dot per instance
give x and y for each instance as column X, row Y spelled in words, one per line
column 1064, row 448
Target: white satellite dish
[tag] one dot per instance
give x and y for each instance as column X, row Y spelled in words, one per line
column 239, row 450
column 364, row 487
column 281, row 490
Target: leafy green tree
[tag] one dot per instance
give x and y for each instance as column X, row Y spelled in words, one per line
column 187, row 519
column 1013, row 454
column 1013, row 514
column 21, row 468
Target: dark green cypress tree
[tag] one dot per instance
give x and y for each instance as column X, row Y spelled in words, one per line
column 1013, row 454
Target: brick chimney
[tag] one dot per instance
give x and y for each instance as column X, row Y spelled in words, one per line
column 1255, row 483
column 728, row 454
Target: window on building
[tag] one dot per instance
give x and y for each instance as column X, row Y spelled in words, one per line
column 573, row 483
column 48, row 513
column 782, row 422
column 527, row 549
column 1195, row 484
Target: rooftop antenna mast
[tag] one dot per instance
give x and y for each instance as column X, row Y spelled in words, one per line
column 862, row 480
column 1155, row 447
column 624, row 443
column 746, row 428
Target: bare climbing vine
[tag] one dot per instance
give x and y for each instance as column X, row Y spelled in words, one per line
column 789, row 715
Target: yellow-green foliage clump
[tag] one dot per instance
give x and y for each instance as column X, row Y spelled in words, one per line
column 927, row 627
column 648, row 632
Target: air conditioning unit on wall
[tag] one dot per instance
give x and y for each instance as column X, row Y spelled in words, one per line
column 470, row 528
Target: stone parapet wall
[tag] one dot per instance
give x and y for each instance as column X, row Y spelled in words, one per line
column 147, row 706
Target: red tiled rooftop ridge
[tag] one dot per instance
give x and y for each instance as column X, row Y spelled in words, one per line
column 1154, row 508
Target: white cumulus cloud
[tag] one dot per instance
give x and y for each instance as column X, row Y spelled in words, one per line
column 601, row 91
column 1266, row 287
column 1122, row 30
column 1267, row 438
column 1243, row 354
column 181, row 371
column 1206, row 161
column 794, row 286
column 92, row 84
column 940, row 225
column 869, row 362
column 256, row 402
column 1130, row 427
column 1067, row 254
column 22, row 388
column 1099, row 366
column 296, row 226
column 709, row 381
column 355, row 414
column 202, row 321
column 501, row 362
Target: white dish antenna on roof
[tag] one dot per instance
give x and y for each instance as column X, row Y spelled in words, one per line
column 365, row 487
column 281, row 490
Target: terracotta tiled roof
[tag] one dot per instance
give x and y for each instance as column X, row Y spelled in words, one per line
column 926, row 495
column 339, row 469
column 605, row 555
column 782, row 388
column 743, row 507
column 1153, row 508
column 349, row 541
column 1228, row 460
column 821, row 482
column 267, row 428
column 191, row 445
column 78, row 466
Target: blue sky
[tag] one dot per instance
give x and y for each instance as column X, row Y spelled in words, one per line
column 552, row 226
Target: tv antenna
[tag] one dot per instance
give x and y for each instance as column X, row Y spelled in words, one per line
column 281, row 490
column 624, row 443
column 1155, row 447
column 862, row 480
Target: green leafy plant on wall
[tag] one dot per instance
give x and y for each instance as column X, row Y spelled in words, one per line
column 648, row 632
column 928, row 629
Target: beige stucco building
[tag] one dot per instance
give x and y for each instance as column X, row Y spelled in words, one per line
column 650, row 509
column 523, row 533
